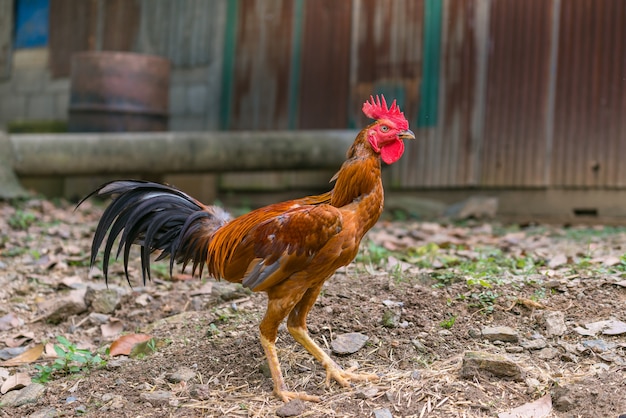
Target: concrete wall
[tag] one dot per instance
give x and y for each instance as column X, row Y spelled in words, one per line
column 31, row 94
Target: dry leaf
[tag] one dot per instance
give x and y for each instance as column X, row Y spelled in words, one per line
column 28, row 356
column 17, row 381
column 124, row 344
column 19, row 339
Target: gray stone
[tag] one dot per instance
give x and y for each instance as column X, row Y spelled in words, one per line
column 29, row 394
column 104, row 301
column 348, row 343
column 597, row 346
column 548, row 353
column 291, row 409
column 45, row 413
column 505, row 334
column 536, row 344
column 59, row 309
column 477, row 362
column 382, row 413
column 183, row 374
column 201, row 392
column 555, row 323
column 158, row 397
column 367, row 393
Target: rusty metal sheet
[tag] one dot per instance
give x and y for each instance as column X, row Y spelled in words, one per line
column 73, row 27
column 260, row 91
column 121, row 21
column 515, row 136
column 589, row 147
column 387, row 54
column 189, row 32
column 325, row 66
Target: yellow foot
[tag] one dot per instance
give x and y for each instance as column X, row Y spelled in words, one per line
column 343, row 377
column 287, row 396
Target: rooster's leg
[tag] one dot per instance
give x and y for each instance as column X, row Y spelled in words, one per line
column 297, row 327
column 277, row 310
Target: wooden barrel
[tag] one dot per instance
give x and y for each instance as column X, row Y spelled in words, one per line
column 118, row 92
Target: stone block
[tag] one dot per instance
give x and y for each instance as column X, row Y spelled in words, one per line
column 12, row 107
column 40, row 106
column 29, row 80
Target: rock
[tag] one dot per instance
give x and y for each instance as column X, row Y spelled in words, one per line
column 382, row 413
column 547, row 353
column 597, row 346
column 391, row 318
column 183, row 374
column 10, row 352
column 562, row 400
column 554, row 322
column 476, row 362
column 104, row 301
column 291, row 409
column 419, row 346
column 506, row 334
column 477, row 207
column 514, row 349
column 367, row 393
column 348, row 343
column 59, row 309
column 45, row 413
column 30, row 394
column 474, row 333
column 200, row 392
column 98, row 318
column 536, row 344
column 608, row 327
column 158, row 397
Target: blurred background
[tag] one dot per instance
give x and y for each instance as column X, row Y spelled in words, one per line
column 524, row 101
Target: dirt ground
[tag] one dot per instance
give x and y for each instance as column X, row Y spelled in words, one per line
column 425, row 294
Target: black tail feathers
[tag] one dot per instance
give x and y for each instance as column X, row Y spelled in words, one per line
column 156, row 217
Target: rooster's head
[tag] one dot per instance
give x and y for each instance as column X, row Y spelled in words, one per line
column 386, row 135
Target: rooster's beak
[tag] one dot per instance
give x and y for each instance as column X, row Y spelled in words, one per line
column 408, row 134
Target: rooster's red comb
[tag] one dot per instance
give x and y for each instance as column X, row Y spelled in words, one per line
column 377, row 109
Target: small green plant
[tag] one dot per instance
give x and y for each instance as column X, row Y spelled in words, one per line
column 21, row 220
column 484, row 301
column 70, row 360
column 373, row 253
column 448, row 323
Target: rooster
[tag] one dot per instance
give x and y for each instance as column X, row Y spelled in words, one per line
column 287, row 250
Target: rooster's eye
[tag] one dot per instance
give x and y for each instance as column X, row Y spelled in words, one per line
column 384, row 128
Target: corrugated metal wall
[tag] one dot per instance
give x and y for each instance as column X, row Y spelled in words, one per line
column 501, row 93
